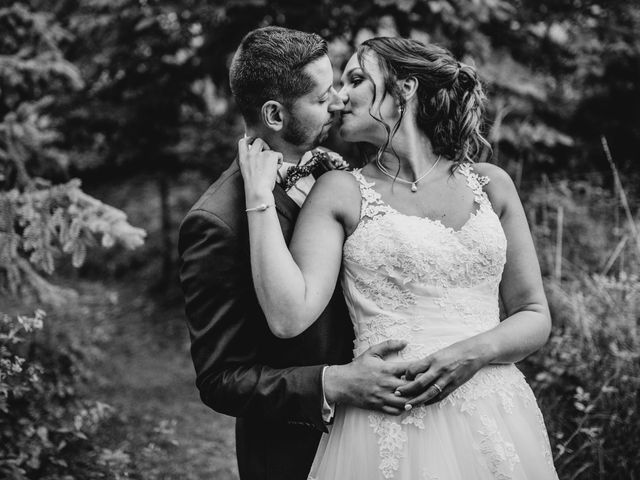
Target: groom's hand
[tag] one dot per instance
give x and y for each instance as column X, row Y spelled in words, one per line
column 369, row 381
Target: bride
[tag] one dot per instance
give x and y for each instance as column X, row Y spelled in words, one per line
column 424, row 242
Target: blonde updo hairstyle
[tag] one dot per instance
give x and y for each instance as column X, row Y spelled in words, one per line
column 450, row 96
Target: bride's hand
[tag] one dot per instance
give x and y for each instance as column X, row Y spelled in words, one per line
column 434, row 377
column 259, row 168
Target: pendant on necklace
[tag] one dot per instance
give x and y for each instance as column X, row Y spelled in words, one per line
column 414, row 187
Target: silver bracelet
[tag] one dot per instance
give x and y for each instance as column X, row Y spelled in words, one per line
column 260, row 208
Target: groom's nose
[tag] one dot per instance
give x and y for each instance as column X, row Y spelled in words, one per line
column 336, row 102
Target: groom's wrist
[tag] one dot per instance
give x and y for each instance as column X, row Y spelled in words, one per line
column 328, row 408
column 333, row 384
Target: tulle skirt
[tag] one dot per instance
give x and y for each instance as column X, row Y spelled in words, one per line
column 490, row 428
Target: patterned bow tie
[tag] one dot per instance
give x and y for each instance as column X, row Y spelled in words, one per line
column 319, row 163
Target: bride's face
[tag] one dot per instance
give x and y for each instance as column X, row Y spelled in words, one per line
column 362, row 92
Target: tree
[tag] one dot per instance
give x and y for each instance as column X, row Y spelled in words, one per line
column 43, row 214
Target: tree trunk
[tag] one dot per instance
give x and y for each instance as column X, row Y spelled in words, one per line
column 165, row 232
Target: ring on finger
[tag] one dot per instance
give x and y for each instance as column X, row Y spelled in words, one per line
column 438, row 388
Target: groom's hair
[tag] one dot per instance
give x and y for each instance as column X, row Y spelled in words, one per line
column 269, row 65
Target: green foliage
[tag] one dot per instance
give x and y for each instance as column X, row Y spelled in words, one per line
column 43, row 422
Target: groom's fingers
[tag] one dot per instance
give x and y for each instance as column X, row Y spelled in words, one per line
column 385, row 348
column 391, row 401
column 418, row 367
column 397, row 369
column 392, row 383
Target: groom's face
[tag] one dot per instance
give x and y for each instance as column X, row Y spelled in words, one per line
column 310, row 116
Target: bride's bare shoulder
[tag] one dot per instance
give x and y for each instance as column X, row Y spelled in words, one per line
column 500, row 188
column 493, row 172
column 341, row 184
column 339, row 191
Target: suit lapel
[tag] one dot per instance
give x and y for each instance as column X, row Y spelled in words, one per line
column 284, row 204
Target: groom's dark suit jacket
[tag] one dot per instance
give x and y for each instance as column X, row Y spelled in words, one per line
column 272, row 386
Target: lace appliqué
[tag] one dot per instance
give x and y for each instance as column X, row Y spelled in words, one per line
column 415, row 417
column 504, row 381
column 384, row 292
column 459, row 308
column 372, row 205
column 416, row 249
column 391, row 441
column 475, row 183
column 501, row 455
column 374, row 330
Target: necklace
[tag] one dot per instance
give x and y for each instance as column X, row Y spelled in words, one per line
column 414, row 184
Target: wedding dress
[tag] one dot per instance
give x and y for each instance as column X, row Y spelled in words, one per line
column 412, row 278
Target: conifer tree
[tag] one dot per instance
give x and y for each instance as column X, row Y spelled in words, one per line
column 44, row 215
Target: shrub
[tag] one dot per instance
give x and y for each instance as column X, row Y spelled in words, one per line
column 587, row 377
column 43, row 421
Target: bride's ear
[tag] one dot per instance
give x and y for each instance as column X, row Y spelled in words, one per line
column 272, row 115
column 409, row 88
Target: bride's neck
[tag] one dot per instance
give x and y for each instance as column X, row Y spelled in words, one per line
column 414, row 152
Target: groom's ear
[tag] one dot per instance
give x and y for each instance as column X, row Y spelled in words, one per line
column 272, row 115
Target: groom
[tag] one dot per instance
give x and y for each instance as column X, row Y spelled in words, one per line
column 281, row 391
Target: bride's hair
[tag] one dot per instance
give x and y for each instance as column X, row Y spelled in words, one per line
column 450, row 96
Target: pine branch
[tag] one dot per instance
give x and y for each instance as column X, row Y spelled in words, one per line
column 48, row 293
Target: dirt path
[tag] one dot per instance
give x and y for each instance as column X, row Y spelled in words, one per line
column 161, row 430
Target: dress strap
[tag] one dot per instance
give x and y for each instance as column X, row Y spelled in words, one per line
column 475, row 182
column 372, row 204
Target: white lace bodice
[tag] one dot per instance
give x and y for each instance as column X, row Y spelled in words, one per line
column 408, row 277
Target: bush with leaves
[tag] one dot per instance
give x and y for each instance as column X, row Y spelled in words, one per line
column 587, row 377
column 43, row 421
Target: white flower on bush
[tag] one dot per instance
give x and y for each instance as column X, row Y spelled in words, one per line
column 11, row 330
column 8, row 367
column 30, row 324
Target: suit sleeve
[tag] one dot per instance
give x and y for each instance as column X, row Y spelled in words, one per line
column 224, row 333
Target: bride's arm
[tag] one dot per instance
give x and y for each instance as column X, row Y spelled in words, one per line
column 528, row 323
column 293, row 287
